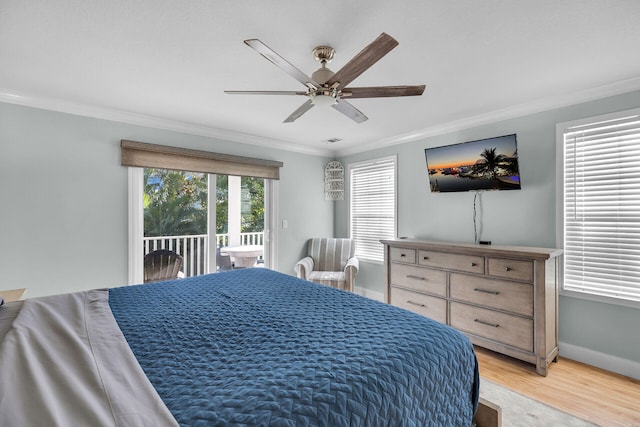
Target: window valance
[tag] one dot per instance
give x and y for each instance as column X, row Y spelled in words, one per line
column 141, row 154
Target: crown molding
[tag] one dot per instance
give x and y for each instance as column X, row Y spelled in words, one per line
column 604, row 91
column 12, row 97
column 519, row 110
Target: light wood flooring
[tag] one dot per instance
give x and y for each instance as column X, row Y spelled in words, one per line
column 595, row 395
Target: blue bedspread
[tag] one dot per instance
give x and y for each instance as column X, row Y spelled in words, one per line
column 259, row 348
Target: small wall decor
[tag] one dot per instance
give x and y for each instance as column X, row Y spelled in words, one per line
column 334, row 181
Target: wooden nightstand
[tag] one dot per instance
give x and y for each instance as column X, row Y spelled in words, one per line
column 12, row 294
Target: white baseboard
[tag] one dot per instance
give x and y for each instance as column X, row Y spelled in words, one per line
column 378, row 296
column 626, row 367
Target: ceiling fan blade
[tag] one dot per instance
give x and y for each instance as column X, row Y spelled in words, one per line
column 299, row 112
column 350, row 111
column 363, row 60
column 382, row 91
column 264, row 92
column 281, row 63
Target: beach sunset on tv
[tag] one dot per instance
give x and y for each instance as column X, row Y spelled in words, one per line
column 486, row 164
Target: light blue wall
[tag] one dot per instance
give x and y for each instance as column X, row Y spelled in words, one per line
column 526, row 217
column 63, row 205
column 63, row 198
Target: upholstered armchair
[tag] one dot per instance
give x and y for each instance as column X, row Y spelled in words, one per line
column 330, row 261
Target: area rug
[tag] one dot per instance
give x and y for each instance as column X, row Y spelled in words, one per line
column 521, row 411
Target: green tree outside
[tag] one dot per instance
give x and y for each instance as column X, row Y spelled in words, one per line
column 252, row 204
column 222, row 204
column 175, row 203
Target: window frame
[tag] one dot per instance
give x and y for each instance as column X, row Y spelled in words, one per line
column 561, row 129
column 360, row 164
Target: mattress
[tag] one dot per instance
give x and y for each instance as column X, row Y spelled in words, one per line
column 248, row 347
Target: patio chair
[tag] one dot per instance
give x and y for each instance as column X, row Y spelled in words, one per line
column 223, row 261
column 162, row 264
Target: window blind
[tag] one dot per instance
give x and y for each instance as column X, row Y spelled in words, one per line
column 372, row 206
column 602, row 207
column 144, row 155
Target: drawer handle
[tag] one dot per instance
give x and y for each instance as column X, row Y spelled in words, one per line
column 486, row 291
column 495, row 325
column 402, row 255
column 507, row 268
column 473, row 264
column 425, row 258
column 410, row 276
column 415, row 303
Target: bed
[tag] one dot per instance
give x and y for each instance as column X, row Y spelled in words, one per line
column 250, row 347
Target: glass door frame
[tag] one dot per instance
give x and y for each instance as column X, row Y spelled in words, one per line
column 136, row 224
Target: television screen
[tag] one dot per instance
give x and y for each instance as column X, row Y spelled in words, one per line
column 486, row 164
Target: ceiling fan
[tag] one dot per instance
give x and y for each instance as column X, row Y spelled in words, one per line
column 325, row 87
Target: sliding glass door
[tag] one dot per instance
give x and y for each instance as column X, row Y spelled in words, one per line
column 176, row 210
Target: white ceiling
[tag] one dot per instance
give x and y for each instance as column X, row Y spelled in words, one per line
column 166, row 63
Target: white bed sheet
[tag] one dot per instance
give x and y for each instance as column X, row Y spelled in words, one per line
column 64, row 362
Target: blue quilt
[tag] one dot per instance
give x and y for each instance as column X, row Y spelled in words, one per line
column 255, row 347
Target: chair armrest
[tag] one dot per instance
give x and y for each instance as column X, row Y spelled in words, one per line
column 352, row 267
column 350, row 271
column 304, row 267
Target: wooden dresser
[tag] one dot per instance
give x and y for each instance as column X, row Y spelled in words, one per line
column 504, row 298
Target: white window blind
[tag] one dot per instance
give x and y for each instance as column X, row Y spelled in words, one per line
column 602, row 207
column 372, row 206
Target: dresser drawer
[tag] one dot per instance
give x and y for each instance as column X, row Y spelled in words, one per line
column 447, row 261
column 432, row 307
column 403, row 255
column 508, row 296
column 505, row 328
column 419, row 278
column 511, row 269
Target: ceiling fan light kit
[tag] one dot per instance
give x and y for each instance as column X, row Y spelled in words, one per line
column 323, row 100
column 325, row 87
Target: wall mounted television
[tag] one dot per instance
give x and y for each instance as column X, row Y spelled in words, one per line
column 484, row 164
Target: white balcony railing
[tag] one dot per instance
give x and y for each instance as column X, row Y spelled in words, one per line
column 194, row 248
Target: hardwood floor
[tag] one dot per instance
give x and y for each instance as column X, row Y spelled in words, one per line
column 598, row 396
